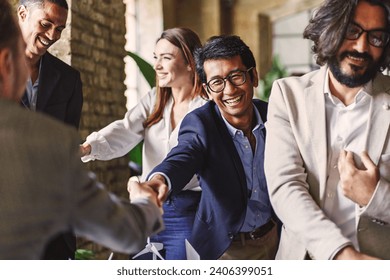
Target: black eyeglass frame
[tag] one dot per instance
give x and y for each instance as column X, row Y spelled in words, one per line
column 370, row 35
column 228, row 78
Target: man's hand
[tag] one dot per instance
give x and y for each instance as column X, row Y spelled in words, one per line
column 358, row 185
column 349, row 253
column 154, row 189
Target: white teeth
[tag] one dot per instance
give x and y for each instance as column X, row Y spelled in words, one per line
column 356, row 58
column 44, row 42
column 233, row 101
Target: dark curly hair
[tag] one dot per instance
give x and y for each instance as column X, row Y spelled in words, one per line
column 328, row 26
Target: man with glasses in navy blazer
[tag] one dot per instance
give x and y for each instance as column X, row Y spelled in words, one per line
column 223, row 143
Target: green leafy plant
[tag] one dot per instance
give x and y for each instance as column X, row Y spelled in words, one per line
column 277, row 71
column 83, row 254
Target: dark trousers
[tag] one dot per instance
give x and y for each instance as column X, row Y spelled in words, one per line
column 61, row 247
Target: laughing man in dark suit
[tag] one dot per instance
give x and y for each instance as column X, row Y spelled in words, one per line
column 54, row 87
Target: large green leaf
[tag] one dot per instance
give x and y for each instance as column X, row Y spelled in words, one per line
column 145, row 68
column 150, row 76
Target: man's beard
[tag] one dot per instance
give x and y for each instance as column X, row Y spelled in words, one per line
column 353, row 80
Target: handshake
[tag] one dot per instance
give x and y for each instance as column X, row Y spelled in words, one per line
column 154, row 190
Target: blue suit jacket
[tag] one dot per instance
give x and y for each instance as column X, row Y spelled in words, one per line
column 60, row 91
column 206, row 148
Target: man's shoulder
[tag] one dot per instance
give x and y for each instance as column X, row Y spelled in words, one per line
column 58, row 64
column 203, row 115
column 306, row 78
column 259, row 103
column 262, row 107
column 382, row 83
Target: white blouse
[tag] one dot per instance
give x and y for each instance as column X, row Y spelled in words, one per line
column 119, row 137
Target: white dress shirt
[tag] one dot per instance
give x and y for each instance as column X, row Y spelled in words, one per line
column 119, row 137
column 346, row 130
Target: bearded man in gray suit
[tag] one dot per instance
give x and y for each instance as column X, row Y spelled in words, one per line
column 327, row 155
column 44, row 189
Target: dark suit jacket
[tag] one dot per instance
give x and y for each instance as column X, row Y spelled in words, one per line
column 205, row 147
column 60, row 96
column 60, row 90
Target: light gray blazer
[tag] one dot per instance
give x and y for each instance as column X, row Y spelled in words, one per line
column 44, row 190
column 296, row 169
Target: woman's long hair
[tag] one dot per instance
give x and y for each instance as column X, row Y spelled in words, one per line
column 187, row 41
column 328, row 26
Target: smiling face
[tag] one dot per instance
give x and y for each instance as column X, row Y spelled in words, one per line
column 41, row 27
column 234, row 102
column 357, row 62
column 171, row 68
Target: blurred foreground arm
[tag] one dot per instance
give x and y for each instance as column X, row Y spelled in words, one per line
column 104, row 218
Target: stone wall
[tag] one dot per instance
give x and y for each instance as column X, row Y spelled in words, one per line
column 97, row 50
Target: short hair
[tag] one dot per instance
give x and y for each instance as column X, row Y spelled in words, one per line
column 328, row 26
column 223, row 47
column 9, row 28
column 29, row 3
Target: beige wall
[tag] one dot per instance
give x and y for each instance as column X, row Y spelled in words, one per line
column 261, row 44
column 203, row 16
column 249, row 18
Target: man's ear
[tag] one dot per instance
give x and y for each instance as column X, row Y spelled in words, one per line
column 207, row 91
column 6, row 64
column 5, row 61
column 255, row 78
column 22, row 12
